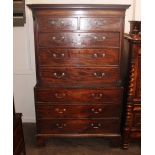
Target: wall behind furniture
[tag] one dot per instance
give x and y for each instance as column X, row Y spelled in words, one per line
column 24, row 59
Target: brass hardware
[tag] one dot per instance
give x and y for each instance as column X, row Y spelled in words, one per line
column 103, row 37
column 59, row 96
column 103, row 55
column 95, row 38
column 96, row 111
column 95, row 55
column 60, row 111
column 59, row 75
column 60, row 126
column 99, row 38
column 52, row 22
column 99, row 75
column 63, row 37
column 56, row 55
column 62, row 22
column 97, row 96
column 53, row 38
column 96, row 126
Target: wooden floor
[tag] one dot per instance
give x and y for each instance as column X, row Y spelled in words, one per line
column 78, row 146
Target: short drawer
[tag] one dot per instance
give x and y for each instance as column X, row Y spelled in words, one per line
column 78, row 95
column 79, row 40
column 64, row 126
column 77, row 111
column 62, row 76
column 100, row 23
column 49, row 23
column 76, row 57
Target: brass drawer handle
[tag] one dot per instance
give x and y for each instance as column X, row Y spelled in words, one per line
column 62, row 22
column 99, row 38
column 60, row 125
column 97, row 96
column 96, row 111
column 52, row 22
column 56, row 56
column 95, row 55
column 53, row 38
column 99, row 75
column 96, row 125
column 59, row 75
column 61, row 38
column 103, row 38
column 60, row 111
column 59, row 96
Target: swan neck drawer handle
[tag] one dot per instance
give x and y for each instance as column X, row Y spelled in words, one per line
column 96, row 111
column 99, row 75
column 59, row 96
column 95, row 55
column 60, row 126
column 59, row 75
column 99, row 38
column 56, row 56
column 60, row 111
column 96, row 125
column 97, row 96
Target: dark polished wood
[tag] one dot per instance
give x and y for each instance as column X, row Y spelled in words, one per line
column 80, row 88
column 62, row 126
column 132, row 129
column 79, row 76
column 78, row 57
column 18, row 137
column 79, row 111
column 79, row 40
column 78, row 95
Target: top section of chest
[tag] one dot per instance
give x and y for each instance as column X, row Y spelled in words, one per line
column 53, row 18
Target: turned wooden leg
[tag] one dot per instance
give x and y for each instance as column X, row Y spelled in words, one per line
column 40, row 141
column 126, row 138
column 127, row 128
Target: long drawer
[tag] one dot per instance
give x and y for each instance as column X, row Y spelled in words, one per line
column 56, row 76
column 78, row 57
column 64, row 126
column 79, row 40
column 77, row 111
column 78, row 95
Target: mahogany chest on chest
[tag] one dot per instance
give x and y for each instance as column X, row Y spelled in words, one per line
column 79, row 53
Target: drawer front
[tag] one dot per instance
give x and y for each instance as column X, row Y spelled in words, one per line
column 78, row 95
column 49, row 23
column 77, row 111
column 76, row 57
column 64, row 126
column 81, row 40
column 95, row 23
column 79, row 76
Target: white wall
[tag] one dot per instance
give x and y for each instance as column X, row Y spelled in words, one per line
column 24, row 60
